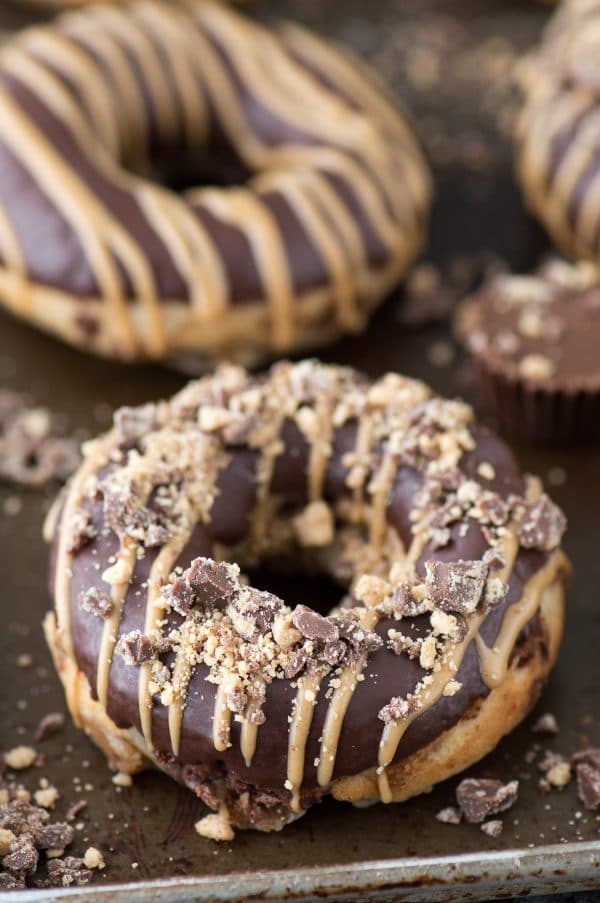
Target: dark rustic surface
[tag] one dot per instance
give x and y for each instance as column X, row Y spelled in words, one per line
column 147, row 831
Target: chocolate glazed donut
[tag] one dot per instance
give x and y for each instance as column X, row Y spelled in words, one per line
column 450, row 557
column 557, row 135
column 325, row 206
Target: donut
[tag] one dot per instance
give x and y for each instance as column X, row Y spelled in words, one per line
column 313, row 202
column 558, row 141
column 450, row 559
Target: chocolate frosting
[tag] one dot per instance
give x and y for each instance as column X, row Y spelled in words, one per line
column 229, row 524
column 326, row 215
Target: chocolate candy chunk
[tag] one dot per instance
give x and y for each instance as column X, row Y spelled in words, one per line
column 314, row 626
column 589, row 756
column 11, row 882
column 545, row 724
column 56, row 836
column 23, row 856
column 494, row 559
column 258, row 608
column 296, row 664
column 136, row 648
column 483, row 797
column 588, row 785
column 333, row 653
column 68, row 872
column 456, row 586
column 541, row 524
column 97, row 602
column 238, row 432
column 397, row 708
column 81, row 530
column 204, row 584
column 361, row 640
column 49, row 724
column 451, row 815
column 404, row 605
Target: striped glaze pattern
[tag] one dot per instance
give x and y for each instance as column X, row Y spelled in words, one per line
column 323, row 204
column 558, row 135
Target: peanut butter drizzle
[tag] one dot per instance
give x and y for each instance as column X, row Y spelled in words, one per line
column 155, row 606
column 123, row 569
column 96, row 455
column 145, row 36
column 331, row 247
column 515, row 618
column 334, row 719
column 221, row 720
column 248, row 740
column 302, row 716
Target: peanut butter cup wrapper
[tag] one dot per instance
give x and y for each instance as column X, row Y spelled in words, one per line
column 541, row 415
column 544, row 413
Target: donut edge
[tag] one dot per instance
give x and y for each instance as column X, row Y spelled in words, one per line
column 482, row 726
column 477, row 732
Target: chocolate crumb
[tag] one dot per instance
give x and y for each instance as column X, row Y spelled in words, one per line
column 479, row 798
column 541, row 524
column 136, row 648
column 23, row 856
column 48, row 725
column 314, row 626
column 493, row 828
column 590, row 756
column 96, row 602
column 55, row 836
column 456, row 586
column 74, row 810
column 204, row 584
column 588, row 785
column 451, row 815
column 545, row 724
column 68, row 872
column 397, row 709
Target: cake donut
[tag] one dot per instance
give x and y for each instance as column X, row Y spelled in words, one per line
column 450, row 557
column 314, row 200
column 557, row 134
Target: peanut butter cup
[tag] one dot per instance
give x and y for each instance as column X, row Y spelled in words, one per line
column 536, row 342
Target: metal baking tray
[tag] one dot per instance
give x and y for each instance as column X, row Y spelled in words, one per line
column 550, row 844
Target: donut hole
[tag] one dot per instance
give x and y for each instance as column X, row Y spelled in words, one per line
column 297, row 587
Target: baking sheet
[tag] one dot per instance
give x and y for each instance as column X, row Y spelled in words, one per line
column 550, row 843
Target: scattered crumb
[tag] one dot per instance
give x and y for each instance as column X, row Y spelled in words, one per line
column 493, row 828
column 93, row 859
column 24, row 660
column 451, row 815
column 20, row 757
column 545, row 724
column 441, row 354
column 121, row 779
column 48, row 725
column 215, row 827
column 46, row 796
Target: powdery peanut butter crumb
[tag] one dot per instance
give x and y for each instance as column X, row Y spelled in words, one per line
column 46, row 796
column 536, row 367
column 93, row 858
column 20, row 757
column 6, row 839
column 314, row 526
column 122, row 779
column 215, row 827
column 559, row 775
column 486, row 470
column 371, row 590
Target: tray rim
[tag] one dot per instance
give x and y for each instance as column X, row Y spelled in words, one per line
column 479, row 876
